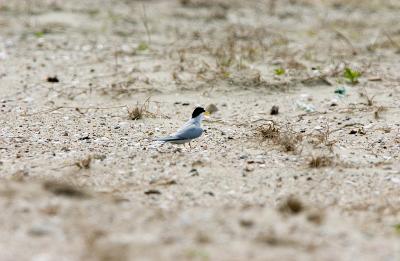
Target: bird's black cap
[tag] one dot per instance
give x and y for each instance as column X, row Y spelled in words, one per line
column 197, row 112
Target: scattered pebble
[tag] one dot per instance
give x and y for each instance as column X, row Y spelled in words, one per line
column 212, row 108
column 274, row 110
column 64, row 189
column 152, row 192
column 193, row 172
column 210, row 193
column 340, row 91
column 52, row 79
column 246, row 223
column 291, row 205
column 39, row 230
column 249, row 168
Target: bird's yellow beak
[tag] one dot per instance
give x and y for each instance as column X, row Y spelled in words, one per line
column 207, row 113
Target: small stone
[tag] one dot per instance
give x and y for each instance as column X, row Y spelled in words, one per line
column 249, row 168
column 193, row 172
column 274, row 110
column 212, row 108
column 152, row 192
column 52, row 79
column 260, row 161
column 123, row 124
column 291, row 205
column 247, row 223
column 39, row 230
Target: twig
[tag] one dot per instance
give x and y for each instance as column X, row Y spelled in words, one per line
column 347, row 125
column 146, row 25
column 348, row 42
column 115, row 61
column 394, row 43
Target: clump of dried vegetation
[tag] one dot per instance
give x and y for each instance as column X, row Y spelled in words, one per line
column 369, row 99
column 378, row 112
column 323, row 138
column 291, row 205
column 84, row 163
column 285, row 137
column 268, row 131
column 64, row 189
column 140, row 111
column 320, row 161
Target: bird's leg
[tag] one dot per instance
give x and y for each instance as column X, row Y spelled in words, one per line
column 190, row 146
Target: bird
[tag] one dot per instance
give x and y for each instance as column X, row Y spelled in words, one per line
column 189, row 131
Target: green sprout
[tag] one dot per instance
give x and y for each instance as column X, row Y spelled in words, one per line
column 397, row 228
column 279, row 71
column 198, row 254
column 39, row 34
column 143, row 46
column 351, row 75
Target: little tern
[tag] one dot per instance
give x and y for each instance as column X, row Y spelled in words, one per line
column 190, row 131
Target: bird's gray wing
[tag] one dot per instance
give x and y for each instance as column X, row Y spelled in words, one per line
column 188, row 133
column 191, row 132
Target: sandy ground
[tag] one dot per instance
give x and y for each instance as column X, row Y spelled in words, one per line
column 86, row 85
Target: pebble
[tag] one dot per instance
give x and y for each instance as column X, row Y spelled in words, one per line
column 274, row 110
column 193, row 172
column 40, row 230
column 123, row 124
column 249, row 168
column 212, row 108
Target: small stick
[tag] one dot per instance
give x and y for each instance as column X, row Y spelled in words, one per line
column 395, row 44
column 146, row 25
column 348, row 42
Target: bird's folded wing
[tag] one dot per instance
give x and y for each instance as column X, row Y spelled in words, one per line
column 190, row 132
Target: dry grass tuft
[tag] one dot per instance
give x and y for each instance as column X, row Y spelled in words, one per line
column 378, row 112
column 139, row 112
column 315, row 216
column 291, row 205
column 287, row 139
column 84, row 163
column 268, row 131
column 320, row 161
column 135, row 113
column 64, row 189
column 369, row 99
